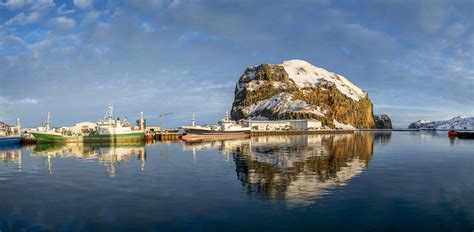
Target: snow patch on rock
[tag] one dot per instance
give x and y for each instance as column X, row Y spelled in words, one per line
column 343, row 126
column 305, row 74
column 282, row 103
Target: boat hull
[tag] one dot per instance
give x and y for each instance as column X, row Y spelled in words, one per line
column 9, row 140
column 465, row 135
column 54, row 138
column 215, row 136
column 211, row 132
column 115, row 138
column 111, row 138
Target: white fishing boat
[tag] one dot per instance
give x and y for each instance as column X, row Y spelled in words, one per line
column 226, row 128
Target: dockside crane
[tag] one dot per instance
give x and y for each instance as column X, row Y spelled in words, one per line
column 161, row 120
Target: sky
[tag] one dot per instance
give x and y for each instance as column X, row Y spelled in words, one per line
column 71, row 58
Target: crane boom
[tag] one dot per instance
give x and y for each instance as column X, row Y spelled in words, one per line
column 161, row 119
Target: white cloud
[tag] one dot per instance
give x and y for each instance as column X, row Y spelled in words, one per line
column 63, row 23
column 41, row 4
column 147, row 27
column 23, row 18
column 8, row 101
column 62, row 10
column 83, row 4
column 91, row 17
column 12, row 41
column 13, row 4
column 33, row 4
column 35, row 9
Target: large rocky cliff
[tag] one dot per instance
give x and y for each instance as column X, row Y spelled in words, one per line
column 298, row 90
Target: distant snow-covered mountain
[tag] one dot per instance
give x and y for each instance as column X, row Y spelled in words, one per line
column 459, row 122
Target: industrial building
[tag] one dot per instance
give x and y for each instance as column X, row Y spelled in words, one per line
column 275, row 125
column 82, row 127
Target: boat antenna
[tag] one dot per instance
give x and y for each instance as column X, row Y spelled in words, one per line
column 18, row 125
column 110, row 111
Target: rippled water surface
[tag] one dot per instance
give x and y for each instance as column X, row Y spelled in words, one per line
column 390, row 181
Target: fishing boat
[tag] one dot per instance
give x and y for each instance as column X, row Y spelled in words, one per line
column 452, row 133
column 108, row 130
column 47, row 134
column 10, row 134
column 226, row 128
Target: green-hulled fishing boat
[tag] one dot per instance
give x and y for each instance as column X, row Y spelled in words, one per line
column 108, row 130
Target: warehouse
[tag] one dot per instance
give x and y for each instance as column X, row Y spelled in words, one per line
column 275, row 125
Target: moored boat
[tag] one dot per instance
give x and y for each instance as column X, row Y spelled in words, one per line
column 9, row 140
column 226, row 128
column 108, row 130
column 10, row 134
column 465, row 134
column 48, row 135
column 452, row 133
column 112, row 130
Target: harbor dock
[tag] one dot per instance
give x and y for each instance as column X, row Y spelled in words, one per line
column 168, row 136
column 301, row 132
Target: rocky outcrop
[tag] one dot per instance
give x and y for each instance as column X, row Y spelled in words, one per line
column 382, row 121
column 298, row 90
column 418, row 124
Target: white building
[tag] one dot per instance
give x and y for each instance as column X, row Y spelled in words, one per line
column 82, row 127
column 275, row 125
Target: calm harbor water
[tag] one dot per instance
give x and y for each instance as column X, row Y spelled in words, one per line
column 390, row 181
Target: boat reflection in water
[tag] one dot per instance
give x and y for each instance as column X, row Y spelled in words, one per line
column 11, row 155
column 299, row 169
column 110, row 155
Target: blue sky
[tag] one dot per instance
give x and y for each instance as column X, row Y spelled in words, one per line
column 414, row 58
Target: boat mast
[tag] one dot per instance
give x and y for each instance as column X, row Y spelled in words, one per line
column 109, row 113
column 193, row 122
column 48, row 121
column 142, row 121
column 18, row 127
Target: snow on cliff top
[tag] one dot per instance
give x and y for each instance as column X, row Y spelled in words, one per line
column 305, row 74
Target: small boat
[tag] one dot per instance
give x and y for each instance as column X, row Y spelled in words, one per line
column 452, row 134
column 226, row 128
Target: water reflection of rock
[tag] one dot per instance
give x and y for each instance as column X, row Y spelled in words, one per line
column 382, row 137
column 110, row 155
column 297, row 168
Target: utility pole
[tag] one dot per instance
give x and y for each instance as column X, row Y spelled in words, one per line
column 161, row 120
